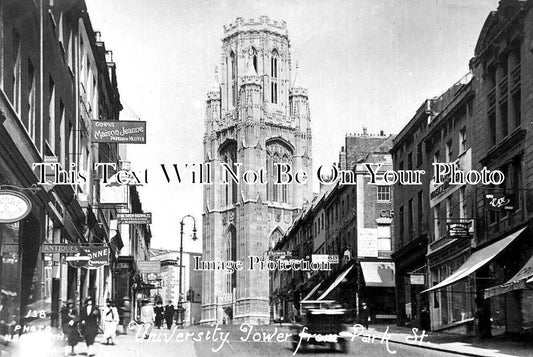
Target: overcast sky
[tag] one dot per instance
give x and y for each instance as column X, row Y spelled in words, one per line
column 365, row 63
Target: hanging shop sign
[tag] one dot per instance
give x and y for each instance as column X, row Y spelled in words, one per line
column 60, row 248
column 134, row 218
column 14, row 206
column 98, row 256
column 459, row 230
column 118, row 131
column 499, row 202
column 149, row 266
column 417, row 279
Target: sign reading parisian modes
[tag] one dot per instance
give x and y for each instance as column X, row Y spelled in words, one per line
column 499, row 202
column 14, row 206
column 149, row 266
column 118, row 131
column 135, row 218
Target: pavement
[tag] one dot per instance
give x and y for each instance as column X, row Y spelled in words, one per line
column 450, row 343
column 275, row 340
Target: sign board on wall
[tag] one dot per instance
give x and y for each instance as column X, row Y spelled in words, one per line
column 134, row 218
column 367, row 242
column 499, row 202
column 417, row 279
column 149, row 266
column 14, row 206
column 437, row 193
column 99, row 256
column 113, row 193
column 118, row 131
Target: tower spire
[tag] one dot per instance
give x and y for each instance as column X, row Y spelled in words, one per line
column 215, row 85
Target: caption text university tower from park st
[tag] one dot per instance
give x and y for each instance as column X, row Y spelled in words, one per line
column 256, row 115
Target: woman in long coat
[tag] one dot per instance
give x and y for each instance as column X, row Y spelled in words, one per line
column 89, row 320
column 110, row 322
column 69, row 325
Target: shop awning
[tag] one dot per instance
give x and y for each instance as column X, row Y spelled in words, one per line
column 335, row 283
column 312, row 291
column 517, row 282
column 378, row 274
column 477, row 260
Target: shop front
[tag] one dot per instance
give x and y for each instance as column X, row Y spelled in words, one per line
column 379, row 289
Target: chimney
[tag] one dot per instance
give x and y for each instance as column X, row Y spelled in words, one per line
column 364, row 131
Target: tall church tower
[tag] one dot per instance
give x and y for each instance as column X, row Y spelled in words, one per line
column 256, row 117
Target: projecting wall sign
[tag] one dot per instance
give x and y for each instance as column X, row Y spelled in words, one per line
column 118, row 131
column 14, row 206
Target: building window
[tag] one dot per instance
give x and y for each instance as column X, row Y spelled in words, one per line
column 384, row 238
column 274, row 77
column 62, row 135
column 410, row 219
column 419, row 153
column 504, row 123
column 384, row 193
column 462, row 140
column 436, row 219
column 449, row 208
column 31, row 101
column 51, row 116
column 492, row 128
column 254, row 59
column 420, row 209
column 449, row 151
column 462, row 202
column 410, row 161
column 401, row 228
column 16, row 73
column 516, row 109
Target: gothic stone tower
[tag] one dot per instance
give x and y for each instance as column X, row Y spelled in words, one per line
column 256, row 116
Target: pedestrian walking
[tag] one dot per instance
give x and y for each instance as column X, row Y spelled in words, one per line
column 159, row 314
column 111, row 320
column 365, row 316
column 147, row 318
column 89, row 321
column 69, row 326
column 425, row 320
column 126, row 314
column 169, row 314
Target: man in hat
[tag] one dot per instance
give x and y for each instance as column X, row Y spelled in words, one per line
column 364, row 315
column 126, row 314
column 69, row 325
column 169, row 314
column 89, row 320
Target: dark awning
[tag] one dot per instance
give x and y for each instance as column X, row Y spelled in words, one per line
column 335, row 283
column 517, row 282
column 477, row 260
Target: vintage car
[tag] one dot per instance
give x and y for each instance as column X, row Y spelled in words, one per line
column 321, row 323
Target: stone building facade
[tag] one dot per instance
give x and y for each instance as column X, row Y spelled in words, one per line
column 257, row 118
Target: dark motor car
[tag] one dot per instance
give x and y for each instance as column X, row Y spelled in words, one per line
column 321, row 322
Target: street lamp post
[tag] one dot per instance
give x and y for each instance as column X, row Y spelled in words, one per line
column 180, row 306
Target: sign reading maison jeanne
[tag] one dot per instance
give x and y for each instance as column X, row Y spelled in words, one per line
column 135, row 218
column 118, row 131
column 14, row 206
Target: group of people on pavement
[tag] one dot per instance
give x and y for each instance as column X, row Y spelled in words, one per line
column 84, row 325
column 156, row 314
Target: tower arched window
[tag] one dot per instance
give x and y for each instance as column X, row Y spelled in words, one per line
column 233, row 70
column 254, row 59
column 274, row 77
column 231, row 255
column 278, row 152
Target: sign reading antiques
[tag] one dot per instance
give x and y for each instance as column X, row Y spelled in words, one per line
column 60, row 248
column 499, row 202
column 14, row 206
column 118, row 131
column 135, row 218
column 459, row 230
